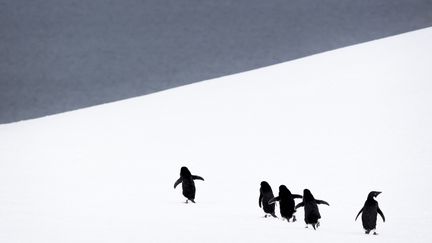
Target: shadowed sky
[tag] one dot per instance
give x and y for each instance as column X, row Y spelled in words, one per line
column 60, row 55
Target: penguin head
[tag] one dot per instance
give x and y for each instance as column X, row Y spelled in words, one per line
column 307, row 195
column 283, row 190
column 184, row 172
column 373, row 194
column 265, row 187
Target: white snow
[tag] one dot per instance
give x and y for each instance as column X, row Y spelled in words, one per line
column 341, row 123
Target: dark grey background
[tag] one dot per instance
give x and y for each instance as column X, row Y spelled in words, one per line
column 60, row 55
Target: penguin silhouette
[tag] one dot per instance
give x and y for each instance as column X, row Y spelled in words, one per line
column 286, row 203
column 310, row 204
column 370, row 211
column 266, row 194
column 188, row 184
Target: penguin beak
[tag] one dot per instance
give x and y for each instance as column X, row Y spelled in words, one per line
column 377, row 193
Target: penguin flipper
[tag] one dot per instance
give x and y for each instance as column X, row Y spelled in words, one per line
column 177, row 182
column 381, row 213
column 260, row 199
column 195, row 177
column 299, row 205
column 322, row 202
column 273, row 200
column 361, row 210
column 297, row 196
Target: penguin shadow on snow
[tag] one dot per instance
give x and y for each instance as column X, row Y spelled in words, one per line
column 188, row 184
column 369, row 212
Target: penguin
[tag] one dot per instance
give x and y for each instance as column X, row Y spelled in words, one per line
column 286, row 203
column 188, row 184
column 310, row 204
column 370, row 210
column 266, row 194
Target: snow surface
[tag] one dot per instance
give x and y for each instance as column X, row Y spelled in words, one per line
column 341, row 123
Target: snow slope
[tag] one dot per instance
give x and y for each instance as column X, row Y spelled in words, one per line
column 341, row 123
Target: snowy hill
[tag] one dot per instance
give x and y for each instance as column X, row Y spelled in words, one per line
column 341, row 123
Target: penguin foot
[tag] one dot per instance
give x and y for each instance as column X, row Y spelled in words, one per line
column 375, row 233
column 192, row 200
column 367, row 232
column 294, row 218
column 187, row 201
column 318, row 224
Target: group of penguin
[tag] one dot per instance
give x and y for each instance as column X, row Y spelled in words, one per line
column 267, row 201
column 287, row 204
